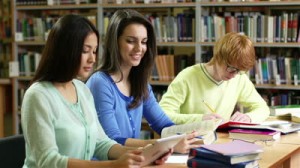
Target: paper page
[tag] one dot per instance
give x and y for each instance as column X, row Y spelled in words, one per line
column 202, row 128
column 178, row 158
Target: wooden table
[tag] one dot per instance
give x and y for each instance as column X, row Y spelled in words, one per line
column 284, row 153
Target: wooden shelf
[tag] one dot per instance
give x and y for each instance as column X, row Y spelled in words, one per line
column 56, row 7
column 281, row 87
column 5, row 81
column 250, row 3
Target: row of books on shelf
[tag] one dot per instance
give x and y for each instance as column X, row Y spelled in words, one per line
column 5, row 28
column 5, row 8
column 284, row 99
column 5, row 50
column 280, row 97
column 276, row 70
column 239, row 0
column 26, row 65
column 62, row 2
column 4, row 69
column 259, row 27
column 169, row 28
column 37, row 28
column 53, row 2
column 166, row 67
column 144, row 1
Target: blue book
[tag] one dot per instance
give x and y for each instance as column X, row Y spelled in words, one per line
column 207, row 163
column 208, row 154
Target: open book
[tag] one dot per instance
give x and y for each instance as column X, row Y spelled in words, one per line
column 281, row 126
column 206, row 130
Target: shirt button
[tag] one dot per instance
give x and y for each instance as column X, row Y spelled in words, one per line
column 130, row 118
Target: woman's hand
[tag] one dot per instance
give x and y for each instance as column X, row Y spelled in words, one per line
column 131, row 159
column 164, row 157
column 187, row 143
column 240, row 117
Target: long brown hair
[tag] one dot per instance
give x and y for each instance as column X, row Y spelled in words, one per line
column 111, row 59
column 61, row 57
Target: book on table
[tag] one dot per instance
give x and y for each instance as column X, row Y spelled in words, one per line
column 206, row 163
column 284, row 127
column 208, row 154
column 228, row 124
column 284, row 109
column 295, row 117
column 205, row 129
column 254, row 134
column 234, row 154
column 234, row 148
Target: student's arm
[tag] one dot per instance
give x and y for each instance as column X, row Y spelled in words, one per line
column 154, row 115
column 158, row 120
column 125, row 158
column 174, row 98
column 256, row 107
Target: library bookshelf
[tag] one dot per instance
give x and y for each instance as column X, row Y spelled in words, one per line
column 28, row 43
column 273, row 26
column 184, row 37
column 5, row 57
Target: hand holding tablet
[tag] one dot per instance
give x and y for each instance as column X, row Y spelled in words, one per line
column 161, row 146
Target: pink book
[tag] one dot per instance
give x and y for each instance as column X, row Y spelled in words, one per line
column 250, row 131
column 235, row 147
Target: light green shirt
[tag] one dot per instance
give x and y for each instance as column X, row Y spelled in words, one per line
column 56, row 130
column 183, row 101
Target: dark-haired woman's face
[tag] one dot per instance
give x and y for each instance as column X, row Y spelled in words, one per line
column 88, row 55
column 133, row 44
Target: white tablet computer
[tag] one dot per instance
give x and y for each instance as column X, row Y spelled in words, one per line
column 160, row 147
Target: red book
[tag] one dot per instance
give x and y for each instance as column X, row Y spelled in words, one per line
column 229, row 124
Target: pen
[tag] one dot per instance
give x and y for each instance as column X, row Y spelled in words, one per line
column 209, row 107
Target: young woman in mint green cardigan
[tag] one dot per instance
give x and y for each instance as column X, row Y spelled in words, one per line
column 212, row 90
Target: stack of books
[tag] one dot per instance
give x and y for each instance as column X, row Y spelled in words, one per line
column 254, row 134
column 234, row 154
column 284, row 127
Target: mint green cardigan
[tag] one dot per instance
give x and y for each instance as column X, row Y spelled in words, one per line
column 183, row 101
column 56, row 130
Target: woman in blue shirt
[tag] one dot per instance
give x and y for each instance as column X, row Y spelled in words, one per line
column 59, row 119
column 120, row 86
